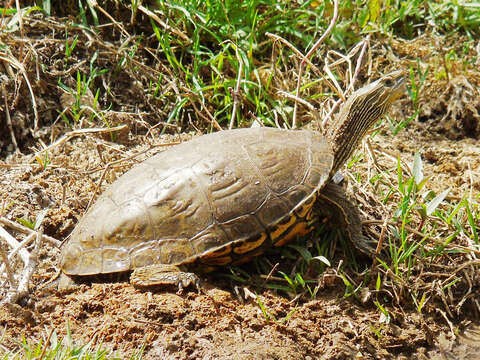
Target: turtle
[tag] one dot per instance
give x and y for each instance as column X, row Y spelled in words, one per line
column 224, row 198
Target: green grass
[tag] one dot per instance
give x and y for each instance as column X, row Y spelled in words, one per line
column 204, row 42
column 223, row 34
column 65, row 348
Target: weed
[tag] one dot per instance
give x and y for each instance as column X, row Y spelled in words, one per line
column 83, row 102
column 63, row 349
column 69, row 48
column 269, row 317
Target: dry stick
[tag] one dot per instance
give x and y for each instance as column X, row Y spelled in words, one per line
column 9, row 120
column 461, row 267
column 270, row 274
column 15, row 226
column 297, row 99
column 372, row 154
column 337, row 88
column 114, row 22
column 309, row 54
column 20, row 67
column 329, row 114
column 20, row 246
column 343, row 58
column 211, row 121
column 12, row 253
column 359, row 64
column 394, row 157
column 28, row 270
column 6, row 6
column 236, row 92
column 74, row 133
column 10, row 240
column 299, row 54
column 46, row 344
column 450, row 325
column 470, row 178
column 295, row 50
column 163, row 24
column 380, row 243
column 20, row 23
column 4, row 257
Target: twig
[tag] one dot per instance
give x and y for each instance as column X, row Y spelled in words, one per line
column 20, row 23
column 20, row 67
column 336, row 86
column 450, row 325
column 4, row 257
column 9, row 120
column 163, row 24
column 15, row 226
column 10, row 240
column 461, row 267
column 359, row 64
column 309, row 54
column 72, row 134
column 296, row 51
column 6, row 6
column 114, row 22
column 28, row 270
column 20, row 246
column 270, row 274
column 236, row 92
column 380, row 243
column 297, row 99
column 45, row 346
column 210, row 120
column 328, row 116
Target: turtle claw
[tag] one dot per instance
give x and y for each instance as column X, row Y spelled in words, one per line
column 186, row 279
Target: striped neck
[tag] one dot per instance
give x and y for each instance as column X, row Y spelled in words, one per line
column 359, row 113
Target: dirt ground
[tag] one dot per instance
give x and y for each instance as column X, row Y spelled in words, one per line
column 225, row 321
column 218, row 324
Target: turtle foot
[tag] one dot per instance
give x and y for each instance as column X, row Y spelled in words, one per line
column 164, row 275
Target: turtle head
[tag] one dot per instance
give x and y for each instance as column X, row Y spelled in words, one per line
column 360, row 112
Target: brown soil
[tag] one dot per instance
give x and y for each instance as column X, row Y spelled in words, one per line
column 217, row 324
column 225, row 321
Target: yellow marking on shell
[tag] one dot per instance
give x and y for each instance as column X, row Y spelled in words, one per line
column 299, row 229
column 224, row 250
column 282, row 226
column 216, row 260
column 249, row 244
column 305, row 211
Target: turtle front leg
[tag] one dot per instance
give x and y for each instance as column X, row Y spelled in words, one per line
column 163, row 275
column 336, row 205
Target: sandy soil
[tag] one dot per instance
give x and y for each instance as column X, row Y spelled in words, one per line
column 217, row 324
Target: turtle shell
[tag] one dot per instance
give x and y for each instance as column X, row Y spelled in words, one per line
column 217, row 199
